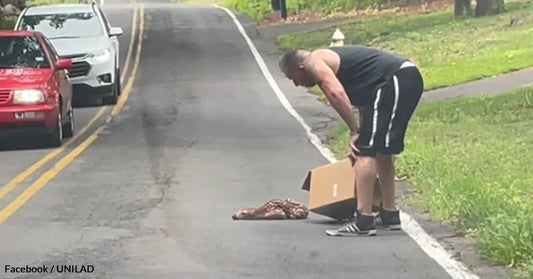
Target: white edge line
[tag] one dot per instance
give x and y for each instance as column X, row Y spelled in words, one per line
column 428, row 244
column 314, row 138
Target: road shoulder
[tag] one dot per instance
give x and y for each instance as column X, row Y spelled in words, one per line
column 322, row 119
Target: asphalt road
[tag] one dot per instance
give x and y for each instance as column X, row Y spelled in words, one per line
column 23, row 152
column 201, row 135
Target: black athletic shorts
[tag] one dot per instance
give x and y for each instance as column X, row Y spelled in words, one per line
column 384, row 122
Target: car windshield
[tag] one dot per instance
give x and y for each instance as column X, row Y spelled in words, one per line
column 21, row 52
column 54, row 26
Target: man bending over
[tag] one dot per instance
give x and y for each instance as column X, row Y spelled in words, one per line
column 386, row 89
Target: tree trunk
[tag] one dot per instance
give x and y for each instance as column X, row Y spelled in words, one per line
column 275, row 5
column 489, row 7
column 462, row 7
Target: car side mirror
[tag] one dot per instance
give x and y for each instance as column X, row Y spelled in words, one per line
column 63, row 64
column 115, row 31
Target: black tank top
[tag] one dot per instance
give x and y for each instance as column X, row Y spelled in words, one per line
column 362, row 70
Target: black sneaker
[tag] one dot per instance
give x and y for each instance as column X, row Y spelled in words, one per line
column 388, row 219
column 361, row 225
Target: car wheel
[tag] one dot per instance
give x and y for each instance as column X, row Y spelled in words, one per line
column 118, row 84
column 55, row 138
column 68, row 129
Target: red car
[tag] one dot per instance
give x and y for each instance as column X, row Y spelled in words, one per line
column 35, row 92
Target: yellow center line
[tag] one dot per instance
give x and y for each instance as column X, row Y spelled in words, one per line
column 35, row 167
column 39, row 164
column 65, row 161
column 130, row 47
column 127, row 89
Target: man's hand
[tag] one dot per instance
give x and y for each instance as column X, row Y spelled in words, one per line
column 352, row 147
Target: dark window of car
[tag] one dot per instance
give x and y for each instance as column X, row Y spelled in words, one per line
column 22, row 52
column 53, row 26
column 50, row 48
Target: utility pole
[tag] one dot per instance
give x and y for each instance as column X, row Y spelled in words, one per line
column 283, row 8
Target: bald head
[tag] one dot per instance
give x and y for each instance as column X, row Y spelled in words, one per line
column 296, row 66
column 291, row 60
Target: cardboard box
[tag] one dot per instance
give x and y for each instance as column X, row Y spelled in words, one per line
column 332, row 190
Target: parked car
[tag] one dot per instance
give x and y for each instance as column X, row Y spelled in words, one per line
column 35, row 91
column 81, row 32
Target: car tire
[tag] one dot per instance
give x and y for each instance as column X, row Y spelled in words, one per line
column 68, row 128
column 55, row 138
column 118, row 84
column 116, row 91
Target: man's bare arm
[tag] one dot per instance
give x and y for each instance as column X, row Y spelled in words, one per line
column 335, row 93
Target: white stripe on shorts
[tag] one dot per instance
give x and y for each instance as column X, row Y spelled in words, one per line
column 375, row 118
column 394, row 107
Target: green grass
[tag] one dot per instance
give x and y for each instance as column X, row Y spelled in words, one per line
column 255, row 9
column 448, row 51
column 49, row 2
column 200, row 2
column 469, row 158
column 470, row 162
column 258, row 9
column 317, row 92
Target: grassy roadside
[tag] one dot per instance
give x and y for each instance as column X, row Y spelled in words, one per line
column 470, row 161
column 200, row 2
column 448, row 51
column 50, row 2
column 467, row 158
column 260, row 9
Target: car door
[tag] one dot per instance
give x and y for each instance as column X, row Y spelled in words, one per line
column 63, row 83
column 114, row 39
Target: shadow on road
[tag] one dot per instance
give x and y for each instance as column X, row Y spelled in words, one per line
column 17, row 142
column 86, row 102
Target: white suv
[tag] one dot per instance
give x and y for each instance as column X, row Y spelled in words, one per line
column 82, row 33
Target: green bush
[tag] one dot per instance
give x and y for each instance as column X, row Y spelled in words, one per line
column 253, row 8
column 7, row 22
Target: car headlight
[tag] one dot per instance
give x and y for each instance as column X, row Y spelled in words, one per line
column 100, row 55
column 28, row 96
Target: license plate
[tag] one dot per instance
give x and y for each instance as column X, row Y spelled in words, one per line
column 28, row 114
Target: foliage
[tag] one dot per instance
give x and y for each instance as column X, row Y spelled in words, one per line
column 449, row 51
column 7, row 22
column 258, row 9
column 50, row 2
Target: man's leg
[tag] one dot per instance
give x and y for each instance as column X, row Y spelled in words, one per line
column 363, row 223
column 385, row 170
column 365, row 173
column 388, row 215
column 365, row 168
column 407, row 88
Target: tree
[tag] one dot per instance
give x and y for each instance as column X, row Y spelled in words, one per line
column 462, row 7
column 488, row 7
column 483, row 7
